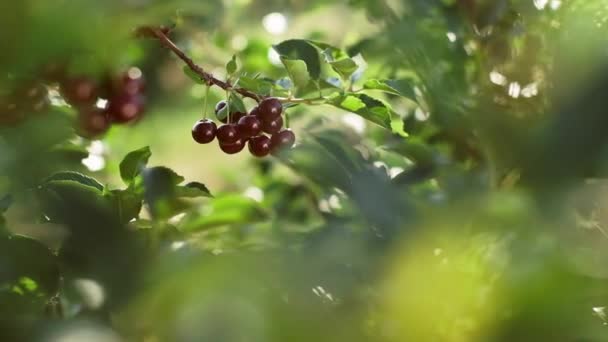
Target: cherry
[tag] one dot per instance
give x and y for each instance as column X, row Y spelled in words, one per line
column 283, row 139
column 259, row 146
column 92, row 122
column 125, row 108
column 79, row 91
column 219, row 106
column 131, row 81
column 203, row 131
column 273, row 126
column 227, row 134
column 255, row 111
column 234, row 117
column 249, row 126
column 269, row 109
column 232, row 148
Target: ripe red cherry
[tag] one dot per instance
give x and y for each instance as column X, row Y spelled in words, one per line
column 249, row 126
column 203, row 131
column 92, row 122
column 269, row 109
column 125, row 108
column 132, row 81
column 282, row 140
column 273, row 126
column 259, row 146
column 79, row 91
column 227, row 134
column 232, row 148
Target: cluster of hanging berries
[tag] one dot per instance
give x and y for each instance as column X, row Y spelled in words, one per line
column 123, row 100
column 240, row 129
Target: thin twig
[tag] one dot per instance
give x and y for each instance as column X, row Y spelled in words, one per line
column 208, row 78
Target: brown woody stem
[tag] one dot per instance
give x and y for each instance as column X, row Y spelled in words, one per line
column 208, row 78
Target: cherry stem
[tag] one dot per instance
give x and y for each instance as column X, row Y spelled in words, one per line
column 205, row 102
column 208, row 78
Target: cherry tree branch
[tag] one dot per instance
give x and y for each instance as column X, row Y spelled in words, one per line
column 208, row 78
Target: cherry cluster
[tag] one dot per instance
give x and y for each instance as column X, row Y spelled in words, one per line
column 239, row 129
column 123, row 95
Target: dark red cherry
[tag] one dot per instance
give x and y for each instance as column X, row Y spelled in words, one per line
column 269, row 109
column 273, row 126
column 259, row 146
column 227, row 134
column 203, row 131
column 79, row 91
column 282, row 140
column 92, row 122
column 125, row 108
column 249, row 126
column 232, row 148
column 131, row 81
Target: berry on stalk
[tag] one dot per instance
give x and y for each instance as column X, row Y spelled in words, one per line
column 282, row 140
column 125, row 108
column 259, row 146
column 273, row 126
column 79, row 91
column 269, row 109
column 203, row 131
column 249, row 126
column 227, row 134
column 92, row 122
column 232, row 148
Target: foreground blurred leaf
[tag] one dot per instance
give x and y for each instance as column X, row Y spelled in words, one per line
column 76, row 177
column 131, row 165
column 193, row 189
column 225, row 210
column 24, row 257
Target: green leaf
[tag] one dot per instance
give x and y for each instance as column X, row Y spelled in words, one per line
column 344, row 67
column 403, row 87
column 76, row 177
column 330, row 52
column 160, row 185
column 192, row 75
column 259, row 86
column 131, row 165
column 298, row 49
column 398, row 127
column 236, row 104
column 366, row 106
column 225, row 210
column 231, row 66
column 22, row 257
column 66, row 200
column 5, row 203
column 125, row 203
column 193, row 189
column 297, row 70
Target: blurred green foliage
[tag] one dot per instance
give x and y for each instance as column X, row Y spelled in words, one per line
column 447, row 183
